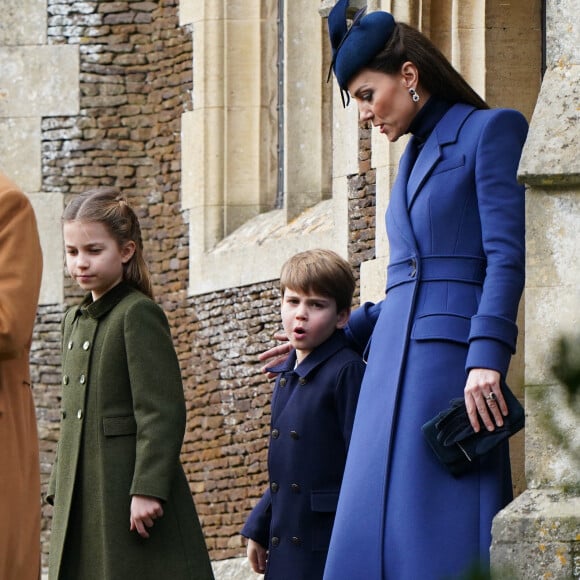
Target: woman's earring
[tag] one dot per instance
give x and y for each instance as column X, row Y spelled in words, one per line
column 414, row 95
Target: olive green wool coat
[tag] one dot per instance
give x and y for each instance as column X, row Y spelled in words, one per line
column 122, row 426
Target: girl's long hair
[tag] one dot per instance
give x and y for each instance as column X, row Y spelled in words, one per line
column 107, row 206
column 436, row 73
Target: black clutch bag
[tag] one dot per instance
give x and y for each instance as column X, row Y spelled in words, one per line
column 457, row 445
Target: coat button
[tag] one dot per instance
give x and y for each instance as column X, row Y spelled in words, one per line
column 86, row 345
column 82, row 379
column 63, row 414
column 80, row 414
column 412, row 268
column 275, row 433
column 296, row 540
column 274, row 487
column 294, row 435
column 275, row 540
column 295, row 488
column 302, row 381
column 65, row 380
column 70, row 345
column 282, row 382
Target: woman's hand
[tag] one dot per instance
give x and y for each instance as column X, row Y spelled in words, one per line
column 256, row 556
column 144, row 511
column 483, row 397
column 278, row 353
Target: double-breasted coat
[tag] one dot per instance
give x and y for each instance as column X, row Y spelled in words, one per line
column 455, row 224
column 20, row 274
column 313, row 409
column 122, row 426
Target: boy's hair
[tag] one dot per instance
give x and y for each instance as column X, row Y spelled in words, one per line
column 105, row 205
column 321, row 272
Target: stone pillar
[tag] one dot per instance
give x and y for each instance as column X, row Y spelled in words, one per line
column 538, row 535
column 37, row 81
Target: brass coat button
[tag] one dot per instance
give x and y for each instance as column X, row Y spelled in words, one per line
column 275, row 540
column 282, row 382
column 275, row 433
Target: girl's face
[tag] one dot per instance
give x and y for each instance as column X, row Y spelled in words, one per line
column 384, row 99
column 309, row 320
column 93, row 257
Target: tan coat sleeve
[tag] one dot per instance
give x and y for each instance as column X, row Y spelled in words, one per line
column 20, row 270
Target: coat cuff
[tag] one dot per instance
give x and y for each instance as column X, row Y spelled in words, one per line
column 486, row 353
column 494, row 327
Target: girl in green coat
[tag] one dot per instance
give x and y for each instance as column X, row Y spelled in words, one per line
column 122, row 505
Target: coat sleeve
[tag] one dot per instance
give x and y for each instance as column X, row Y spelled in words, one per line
column 346, row 395
column 500, row 198
column 257, row 526
column 20, row 272
column 361, row 325
column 158, row 400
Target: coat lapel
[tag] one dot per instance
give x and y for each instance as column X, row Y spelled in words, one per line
column 444, row 133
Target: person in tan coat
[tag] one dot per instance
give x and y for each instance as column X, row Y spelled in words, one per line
column 20, row 275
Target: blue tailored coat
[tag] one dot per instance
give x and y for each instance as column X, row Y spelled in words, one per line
column 313, row 408
column 455, row 224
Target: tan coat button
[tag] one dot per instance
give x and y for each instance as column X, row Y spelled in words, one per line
column 86, row 345
column 82, row 379
column 70, row 345
column 65, row 380
column 80, row 414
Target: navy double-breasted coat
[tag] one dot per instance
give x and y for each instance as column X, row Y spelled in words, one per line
column 123, row 420
column 455, row 224
column 313, row 409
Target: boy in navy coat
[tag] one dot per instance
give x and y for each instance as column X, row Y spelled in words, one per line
column 313, row 408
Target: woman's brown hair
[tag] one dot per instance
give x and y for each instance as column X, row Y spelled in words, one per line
column 107, row 206
column 436, row 73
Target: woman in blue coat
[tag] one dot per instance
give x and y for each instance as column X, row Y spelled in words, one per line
column 446, row 327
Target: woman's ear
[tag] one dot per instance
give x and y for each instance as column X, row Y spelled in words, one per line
column 410, row 74
column 127, row 251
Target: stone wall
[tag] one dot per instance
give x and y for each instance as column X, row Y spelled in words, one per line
column 121, row 122
column 135, row 67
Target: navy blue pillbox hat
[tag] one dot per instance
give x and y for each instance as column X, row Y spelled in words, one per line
column 353, row 48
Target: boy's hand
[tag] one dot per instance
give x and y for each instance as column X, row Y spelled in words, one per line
column 256, row 556
column 144, row 511
column 278, row 353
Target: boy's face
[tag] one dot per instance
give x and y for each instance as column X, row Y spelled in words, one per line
column 309, row 320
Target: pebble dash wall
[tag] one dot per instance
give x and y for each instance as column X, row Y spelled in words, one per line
column 136, row 82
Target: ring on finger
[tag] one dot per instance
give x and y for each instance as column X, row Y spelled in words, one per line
column 490, row 397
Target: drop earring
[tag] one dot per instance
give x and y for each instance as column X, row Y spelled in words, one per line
column 414, row 95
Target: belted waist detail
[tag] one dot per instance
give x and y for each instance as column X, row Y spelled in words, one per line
column 468, row 269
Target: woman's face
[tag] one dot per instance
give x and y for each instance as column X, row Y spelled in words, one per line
column 384, row 99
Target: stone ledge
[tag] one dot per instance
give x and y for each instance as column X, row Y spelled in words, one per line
column 539, row 530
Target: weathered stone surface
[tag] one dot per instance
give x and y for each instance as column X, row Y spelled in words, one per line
column 538, row 537
column 550, row 157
